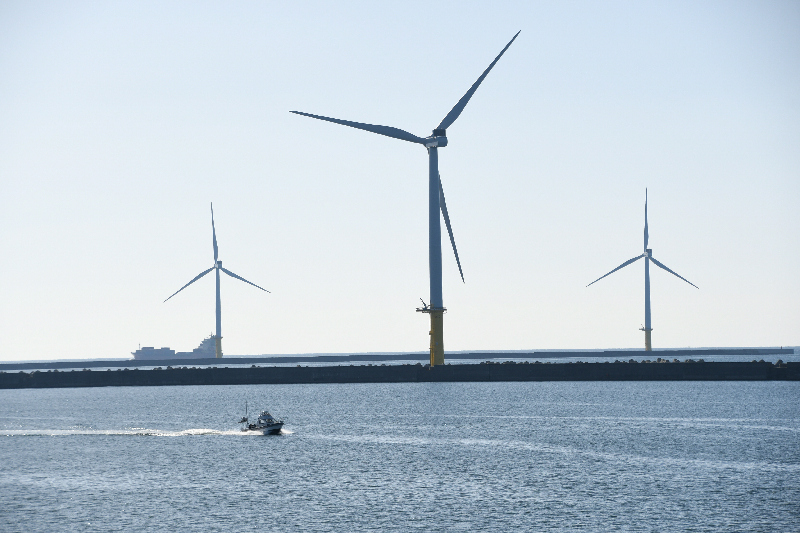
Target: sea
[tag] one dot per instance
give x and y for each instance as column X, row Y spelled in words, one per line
column 512, row 456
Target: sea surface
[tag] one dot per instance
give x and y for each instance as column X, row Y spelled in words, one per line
column 563, row 456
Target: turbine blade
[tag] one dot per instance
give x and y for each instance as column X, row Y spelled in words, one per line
column 443, row 205
column 214, row 233
column 395, row 133
column 626, row 263
column 195, row 279
column 658, row 264
column 231, row 274
column 646, row 234
column 459, row 107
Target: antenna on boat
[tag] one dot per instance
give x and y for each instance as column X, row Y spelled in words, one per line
column 244, row 419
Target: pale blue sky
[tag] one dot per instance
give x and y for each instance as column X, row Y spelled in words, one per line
column 120, row 122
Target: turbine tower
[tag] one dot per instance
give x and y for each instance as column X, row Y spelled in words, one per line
column 217, row 266
column 436, row 204
column 648, row 256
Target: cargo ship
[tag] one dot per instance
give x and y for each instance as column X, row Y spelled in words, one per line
column 206, row 350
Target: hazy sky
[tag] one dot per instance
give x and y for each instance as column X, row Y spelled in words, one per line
column 121, row 121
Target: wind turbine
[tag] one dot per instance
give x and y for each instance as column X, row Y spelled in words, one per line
column 217, row 266
column 648, row 256
column 436, row 203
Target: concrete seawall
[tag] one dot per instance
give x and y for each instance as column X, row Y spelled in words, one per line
column 410, row 373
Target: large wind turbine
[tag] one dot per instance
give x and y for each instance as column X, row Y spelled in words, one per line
column 217, row 266
column 436, row 203
column 648, row 256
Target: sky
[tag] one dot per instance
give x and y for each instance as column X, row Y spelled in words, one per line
column 120, row 122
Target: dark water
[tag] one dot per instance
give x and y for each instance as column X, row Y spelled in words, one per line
column 673, row 456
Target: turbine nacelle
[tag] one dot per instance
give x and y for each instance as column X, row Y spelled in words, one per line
column 219, row 264
column 649, row 252
column 436, row 141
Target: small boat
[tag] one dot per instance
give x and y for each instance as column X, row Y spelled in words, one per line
column 266, row 424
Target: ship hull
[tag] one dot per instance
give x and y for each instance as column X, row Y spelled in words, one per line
column 272, row 429
column 178, row 355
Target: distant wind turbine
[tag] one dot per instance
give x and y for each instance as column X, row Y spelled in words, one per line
column 217, row 266
column 648, row 256
column 436, row 203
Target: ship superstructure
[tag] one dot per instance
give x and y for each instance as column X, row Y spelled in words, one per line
column 149, row 352
column 206, row 350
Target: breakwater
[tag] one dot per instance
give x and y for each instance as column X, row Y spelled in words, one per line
column 408, row 373
column 667, row 353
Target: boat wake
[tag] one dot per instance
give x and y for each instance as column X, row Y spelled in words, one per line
column 136, row 432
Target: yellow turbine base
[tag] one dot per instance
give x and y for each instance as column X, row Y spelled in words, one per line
column 648, row 347
column 437, row 338
column 218, row 342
